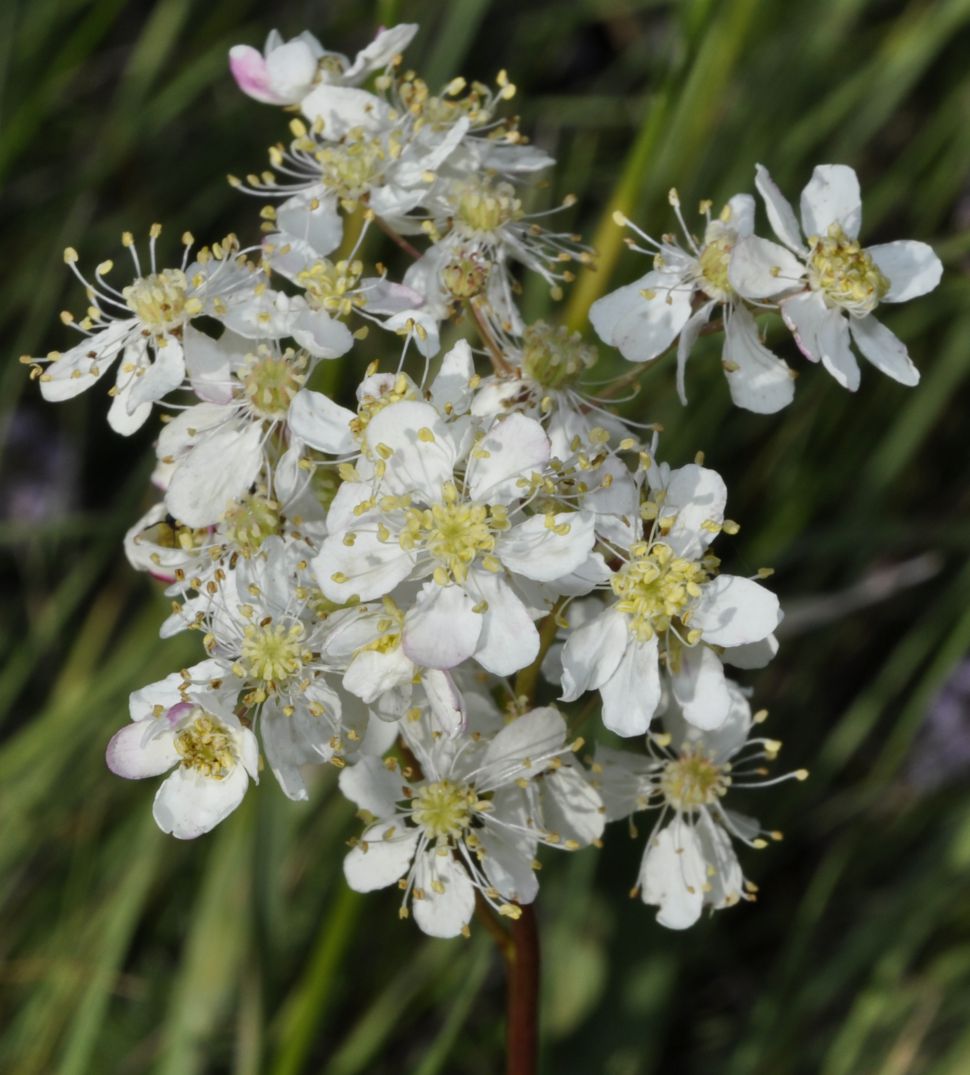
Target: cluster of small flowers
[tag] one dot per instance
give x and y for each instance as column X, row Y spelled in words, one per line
column 383, row 587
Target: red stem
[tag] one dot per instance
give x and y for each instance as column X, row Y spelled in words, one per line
column 522, row 969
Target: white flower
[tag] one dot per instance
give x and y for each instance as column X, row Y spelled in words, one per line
column 464, row 825
column 678, row 297
column 689, row 861
column 828, row 288
column 142, row 324
column 286, row 71
column 672, row 607
column 193, row 729
column 446, row 512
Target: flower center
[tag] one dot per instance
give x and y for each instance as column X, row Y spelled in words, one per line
column 206, row 746
column 250, row 521
column 714, row 259
column 352, row 167
column 444, row 809
column 272, row 652
column 553, row 356
column 465, row 276
column 271, row 380
column 454, row 533
column 158, row 300
column 845, row 274
column 483, row 208
column 656, row 587
column 693, row 780
column 331, row 287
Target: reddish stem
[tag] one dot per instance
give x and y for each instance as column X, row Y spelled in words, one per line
column 522, row 969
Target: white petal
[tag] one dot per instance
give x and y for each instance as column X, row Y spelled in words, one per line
column 371, row 786
column 781, row 216
column 373, row 672
column 911, row 267
column 164, row 375
column 321, row 335
column 520, row 749
column 509, row 640
column 508, row 854
column 540, row 552
column 85, row 363
column 592, row 652
column 688, row 337
column 700, row 687
column 312, row 219
column 732, row 611
column 248, row 67
column 512, row 447
column 694, row 495
column 441, row 630
column 142, row 748
column 290, row 70
column 822, row 333
column 185, row 429
column 218, row 470
column 632, row 694
column 382, row 856
column 642, row 326
column 884, row 350
column 673, row 874
column 449, row 896
column 450, row 391
column 422, row 451
column 385, row 46
column 188, row 804
column 571, row 806
column 446, row 701
column 721, row 864
column 342, row 108
column 759, row 380
column 369, row 568
column 320, row 422
column 832, row 196
column 752, row 654
column 209, row 362
column 722, row 742
column 761, row 269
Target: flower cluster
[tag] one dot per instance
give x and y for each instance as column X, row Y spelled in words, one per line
column 402, row 583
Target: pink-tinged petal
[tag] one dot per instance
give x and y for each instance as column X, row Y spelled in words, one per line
column 832, row 196
column 884, row 350
column 761, row 269
column 632, row 694
column 188, row 805
column 141, row 749
column 759, row 381
column 822, row 334
column 912, row 268
column 248, row 67
column 733, row 610
column 673, row 875
column 449, row 896
column 441, row 629
column 381, row 857
column 509, row 640
column 781, row 216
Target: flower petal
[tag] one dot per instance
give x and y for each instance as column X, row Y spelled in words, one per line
column 381, row 857
column 758, row 380
column 700, row 687
column 448, row 895
column 142, row 748
column 733, row 610
column 546, row 552
column 441, row 630
column 884, row 350
column 509, row 639
column 911, row 267
column 643, row 319
column 520, row 750
column 371, row 786
column 761, row 269
column 632, row 694
column 781, row 216
column 188, row 805
column 830, row 197
column 320, row 422
column 822, row 333
column 673, row 875
column 592, row 653
column 512, row 447
column 694, row 498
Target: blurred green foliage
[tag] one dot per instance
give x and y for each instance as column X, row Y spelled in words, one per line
column 123, row 951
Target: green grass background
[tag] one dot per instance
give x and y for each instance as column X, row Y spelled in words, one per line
column 122, row 951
